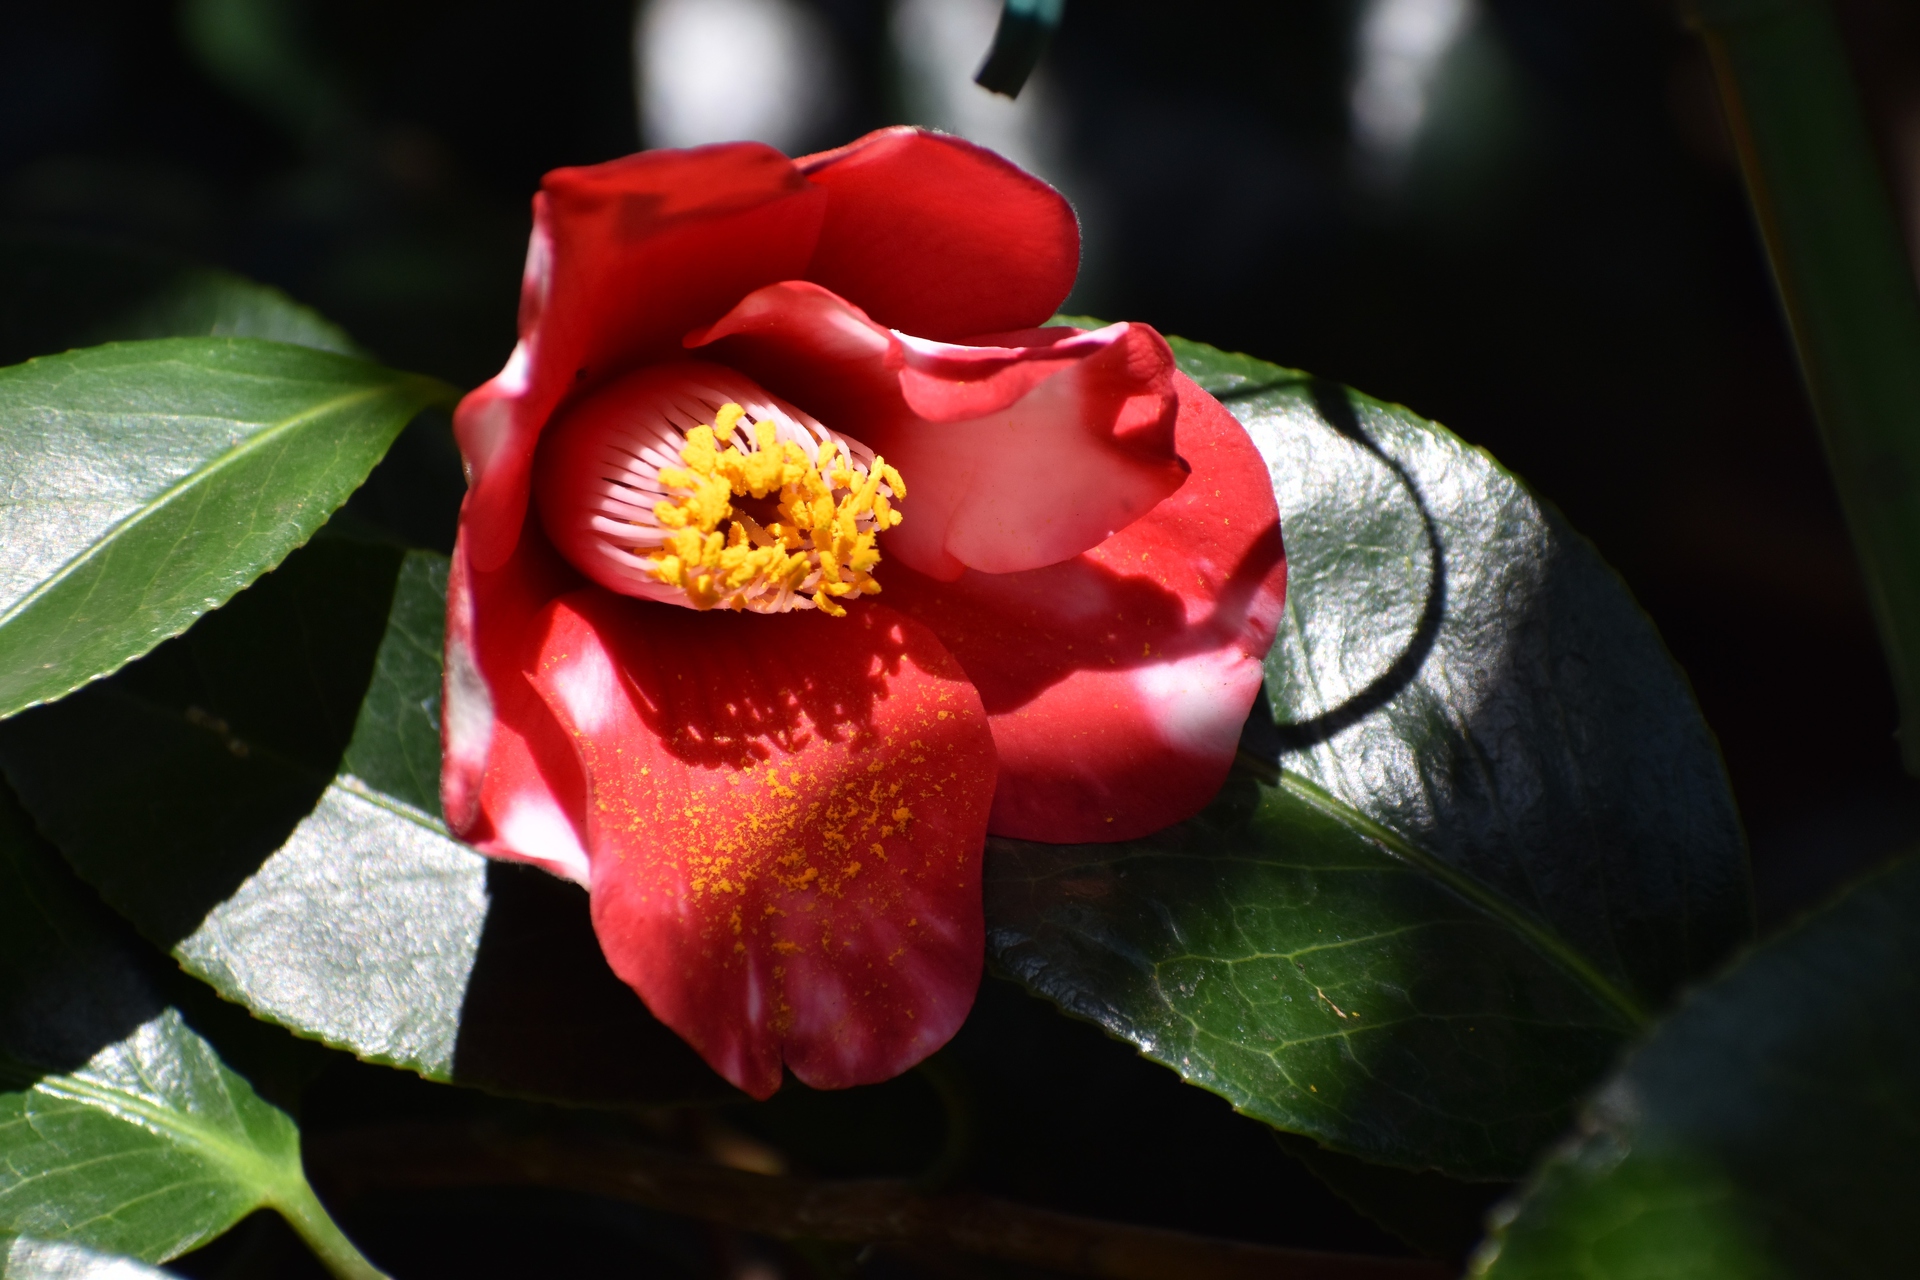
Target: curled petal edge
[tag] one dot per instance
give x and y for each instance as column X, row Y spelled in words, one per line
column 1117, row 682
column 1015, row 457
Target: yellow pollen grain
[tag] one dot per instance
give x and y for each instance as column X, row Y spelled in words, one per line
column 821, row 548
column 808, row 848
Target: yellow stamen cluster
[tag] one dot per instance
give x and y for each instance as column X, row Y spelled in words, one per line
column 820, row 544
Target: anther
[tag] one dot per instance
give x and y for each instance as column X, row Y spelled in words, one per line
column 689, row 483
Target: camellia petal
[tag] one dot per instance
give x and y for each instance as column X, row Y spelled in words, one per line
column 1117, row 682
column 1014, row 456
column 938, row 237
column 780, row 816
column 625, row 257
column 509, row 781
column 785, row 818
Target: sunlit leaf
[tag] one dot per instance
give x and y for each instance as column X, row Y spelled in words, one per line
column 1484, row 833
column 204, row 792
column 120, row 1127
column 1489, row 833
column 147, row 482
column 23, row 1258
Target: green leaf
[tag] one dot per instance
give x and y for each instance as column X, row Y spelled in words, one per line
column 1441, row 1217
column 235, row 796
column 58, row 292
column 120, row 1127
column 1839, row 252
column 395, row 748
column 22, row 1258
column 149, row 481
column 1496, row 835
column 1770, row 1127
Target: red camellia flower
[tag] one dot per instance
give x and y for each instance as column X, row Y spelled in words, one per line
column 753, row 399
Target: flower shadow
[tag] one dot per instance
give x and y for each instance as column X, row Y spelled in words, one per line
column 1020, row 634
column 723, row 690
column 1270, row 738
column 72, row 978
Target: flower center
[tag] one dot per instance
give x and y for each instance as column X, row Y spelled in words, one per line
column 689, row 483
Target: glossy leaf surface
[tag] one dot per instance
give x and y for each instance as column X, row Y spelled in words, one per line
column 23, row 1258
column 147, row 482
column 120, row 1128
column 1770, row 1127
column 1485, row 832
column 238, row 798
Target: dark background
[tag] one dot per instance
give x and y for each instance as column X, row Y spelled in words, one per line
column 1562, row 270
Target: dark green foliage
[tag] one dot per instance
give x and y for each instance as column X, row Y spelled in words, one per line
column 64, row 292
column 1484, row 835
column 120, row 1128
column 236, row 797
column 1770, row 1128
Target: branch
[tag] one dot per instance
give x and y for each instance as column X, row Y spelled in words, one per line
column 854, row 1212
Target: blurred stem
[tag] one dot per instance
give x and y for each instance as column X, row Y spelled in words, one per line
column 1847, row 285
column 304, row 1212
column 862, row 1212
column 1026, row 28
column 946, row 1079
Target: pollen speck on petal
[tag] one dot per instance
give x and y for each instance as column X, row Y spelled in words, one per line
column 740, row 779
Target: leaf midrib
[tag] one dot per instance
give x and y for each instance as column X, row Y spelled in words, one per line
column 193, row 479
column 367, row 792
column 1536, row 934
column 268, row 1177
